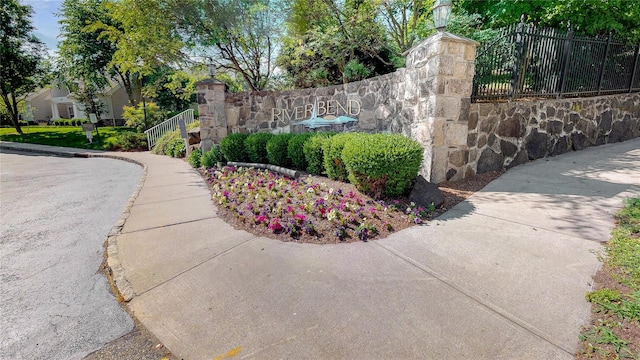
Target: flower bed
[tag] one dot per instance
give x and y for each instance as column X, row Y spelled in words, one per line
column 308, row 210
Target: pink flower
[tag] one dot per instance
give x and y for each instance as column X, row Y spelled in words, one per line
column 300, row 217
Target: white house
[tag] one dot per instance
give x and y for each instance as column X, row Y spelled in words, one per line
column 55, row 103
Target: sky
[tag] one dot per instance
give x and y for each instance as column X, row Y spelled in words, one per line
column 45, row 22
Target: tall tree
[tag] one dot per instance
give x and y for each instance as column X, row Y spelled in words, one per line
column 23, row 67
column 86, row 58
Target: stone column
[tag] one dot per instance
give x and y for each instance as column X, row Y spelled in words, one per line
column 438, row 86
column 212, row 112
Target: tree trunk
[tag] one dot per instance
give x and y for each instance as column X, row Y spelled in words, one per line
column 16, row 123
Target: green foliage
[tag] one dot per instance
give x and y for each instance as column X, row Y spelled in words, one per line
column 277, row 150
column 622, row 259
column 256, row 147
column 212, row 157
column 295, row 150
column 134, row 116
column 334, row 165
column 23, row 66
column 65, row 136
column 314, row 153
column 161, row 146
column 176, row 148
column 131, row 141
column 382, row 164
column 354, row 70
column 623, row 249
column 232, row 146
column 195, row 158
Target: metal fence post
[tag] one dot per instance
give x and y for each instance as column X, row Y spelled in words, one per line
column 515, row 72
column 635, row 66
column 602, row 65
column 566, row 57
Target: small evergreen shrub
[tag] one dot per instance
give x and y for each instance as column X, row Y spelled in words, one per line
column 212, row 157
column 333, row 164
column 295, row 150
column 195, row 158
column 277, row 150
column 314, row 154
column 232, row 147
column 382, row 164
column 256, row 147
column 176, row 148
column 162, row 145
column 131, row 141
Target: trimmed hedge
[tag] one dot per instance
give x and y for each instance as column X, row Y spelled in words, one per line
column 131, row 141
column 256, row 147
column 277, row 150
column 212, row 157
column 295, row 150
column 232, row 147
column 333, row 163
column 382, row 164
column 314, row 154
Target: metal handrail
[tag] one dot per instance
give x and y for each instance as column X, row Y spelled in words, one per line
column 156, row 132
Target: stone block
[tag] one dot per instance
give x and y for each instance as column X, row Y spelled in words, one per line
column 482, row 141
column 367, row 120
column 456, row 133
column 472, row 139
column 461, row 87
column 521, row 158
column 232, row 116
column 447, row 107
column 459, row 158
column 425, row 193
column 536, row 144
column 470, row 52
column 490, row 161
column 508, row 148
column 439, row 133
column 445, row 65
column 473, row 120
column 512, row 127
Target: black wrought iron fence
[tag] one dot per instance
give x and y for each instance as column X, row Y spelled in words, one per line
column 525, row 61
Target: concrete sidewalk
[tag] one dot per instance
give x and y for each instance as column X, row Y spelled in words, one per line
column 502, row 275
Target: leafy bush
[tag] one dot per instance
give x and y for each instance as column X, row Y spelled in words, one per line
column 176, row 148
column 295, row 150
column 382, row 164
column 131, row 141
column 314, row 154
column 333, row 164
column 232, row 146
column 134, row 116
column 256, row 147
column 161, row 146
column 212, row 157
column 277, row 150
column 195, row 158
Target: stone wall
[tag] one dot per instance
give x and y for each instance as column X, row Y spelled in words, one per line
column 503, row 135
column 379, row 102
column 428, row 101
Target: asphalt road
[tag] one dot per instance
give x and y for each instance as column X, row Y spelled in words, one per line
column 55, row 215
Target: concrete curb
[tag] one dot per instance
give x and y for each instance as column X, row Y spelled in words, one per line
column 113, row 262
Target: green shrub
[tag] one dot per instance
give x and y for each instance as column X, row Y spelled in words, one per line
column 232, row 146
column 382, row 164
column 212, row 157
column 295, row 150
column 161, row 146
column 195, row 158
column 333, row 164
column 176, row 148
column 277, row 153
column 314, row 154
column 131, row 141
column 134, row 116
column 256, row 147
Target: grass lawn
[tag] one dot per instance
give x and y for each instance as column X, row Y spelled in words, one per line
column 614, row 332
column 65, row 136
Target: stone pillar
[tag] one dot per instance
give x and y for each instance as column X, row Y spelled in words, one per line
column 212, row 112
column 438, row 86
